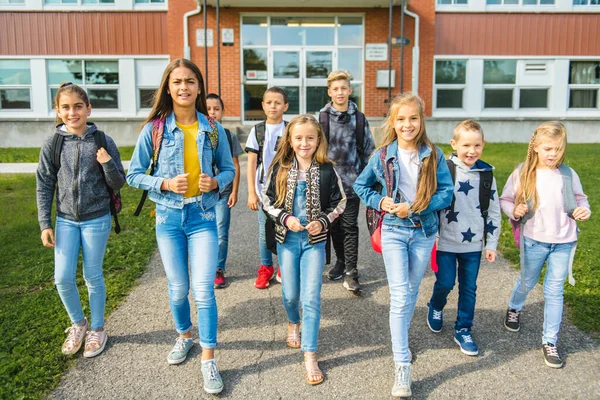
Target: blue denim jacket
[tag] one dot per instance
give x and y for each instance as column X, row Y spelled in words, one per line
column 373, row 173
column 170, row 162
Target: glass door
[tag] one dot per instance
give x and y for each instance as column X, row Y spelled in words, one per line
column 318, row 64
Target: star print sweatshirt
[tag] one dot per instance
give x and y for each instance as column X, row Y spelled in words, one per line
column 462, row 231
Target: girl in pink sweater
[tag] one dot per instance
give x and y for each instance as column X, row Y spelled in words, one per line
column 546, row 198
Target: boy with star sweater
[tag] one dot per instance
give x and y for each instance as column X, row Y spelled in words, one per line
column 461, row 236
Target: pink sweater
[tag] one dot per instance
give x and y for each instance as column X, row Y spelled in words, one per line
column 550, row 223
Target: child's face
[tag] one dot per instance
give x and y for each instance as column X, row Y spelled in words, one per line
column 183, row 87
column 73, row 112
column 548, row 152
column 468, row 147
column 407, row 125
column 213, row 107
column 274, row 106
column 305, row 140
column 340, row 91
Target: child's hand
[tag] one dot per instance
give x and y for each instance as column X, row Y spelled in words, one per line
column 233, row 199
column 207, row 183
column 102, row 155
column 48, row 237
column 179, row 184
column 581, row 214
column 314, row 227
column 253, row 201
column 400, row 209
column 293, row 224
column 520, row 210
column 490, row 255
column 386, row 204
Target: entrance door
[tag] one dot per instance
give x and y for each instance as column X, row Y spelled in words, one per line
column 302, row 72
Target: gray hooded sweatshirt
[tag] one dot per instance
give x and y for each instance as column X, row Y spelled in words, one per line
column 82, row 194
column 462, row 232
column 342, row 149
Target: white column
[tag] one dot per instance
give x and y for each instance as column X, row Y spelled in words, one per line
column 474, row 89
column 560, row 88
column 127, row 88
column 41, row 103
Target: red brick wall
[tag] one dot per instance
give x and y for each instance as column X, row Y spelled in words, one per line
column 376, row 31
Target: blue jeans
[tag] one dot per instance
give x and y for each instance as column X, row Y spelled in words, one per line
column 301, row 267
column 406, row 253
column 189, row 235
column 557, row 256
column 91, row 237
column 468, row 269
column 223, row 221
column 266, row 257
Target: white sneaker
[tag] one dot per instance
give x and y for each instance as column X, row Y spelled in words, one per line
column 402, row 380
column 75, row 336
column 95, row 343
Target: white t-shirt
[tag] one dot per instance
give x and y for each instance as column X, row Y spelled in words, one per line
column 409, row 163
column 272, row 133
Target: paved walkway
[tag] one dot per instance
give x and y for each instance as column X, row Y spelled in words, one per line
column 355, row 347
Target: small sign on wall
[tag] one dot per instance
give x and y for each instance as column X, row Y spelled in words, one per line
column 200, row 37
column 376, row 52
column 227, row 37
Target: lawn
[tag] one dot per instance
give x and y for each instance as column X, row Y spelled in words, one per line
column 32, row 154
column 32, row 318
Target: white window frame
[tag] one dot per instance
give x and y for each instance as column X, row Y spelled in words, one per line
column 481, row 6
column 117, row 5
column 583, row 86
column 19, row 86
column 86, row 86
column 450, row 86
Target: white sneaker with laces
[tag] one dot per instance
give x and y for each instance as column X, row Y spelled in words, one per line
column 402, row 380
column 95, row 343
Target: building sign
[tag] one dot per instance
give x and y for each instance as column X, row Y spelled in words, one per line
column 256, row 75
column 376, row 52
column 227, row 37
column 200, row 37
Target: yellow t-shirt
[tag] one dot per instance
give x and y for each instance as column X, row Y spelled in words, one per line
column 191, row 164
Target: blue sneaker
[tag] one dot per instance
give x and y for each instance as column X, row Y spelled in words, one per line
column 180, row 351
column 434, row 319
column 213, row 383
column 464, row 339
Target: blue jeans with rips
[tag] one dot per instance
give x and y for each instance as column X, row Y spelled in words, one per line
column 468, row 269
column 556, row 256
column 406, row 253
column 189, row 236
column 90, row 237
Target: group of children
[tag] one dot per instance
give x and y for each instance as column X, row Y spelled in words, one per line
column 306, row 179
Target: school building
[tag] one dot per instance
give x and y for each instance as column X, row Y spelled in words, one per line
column 510, row 64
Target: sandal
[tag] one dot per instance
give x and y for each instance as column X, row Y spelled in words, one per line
column 312, row 369
column 293, row 336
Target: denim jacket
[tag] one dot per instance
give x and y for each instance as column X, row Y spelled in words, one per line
column 170, row 162
column 373, row 173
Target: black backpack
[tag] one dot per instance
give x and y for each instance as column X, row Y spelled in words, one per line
column 259, row 130
column 324, row 117
column 485, row 194
column 115, row 195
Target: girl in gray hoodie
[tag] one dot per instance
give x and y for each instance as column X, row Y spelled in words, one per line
column 80, row 177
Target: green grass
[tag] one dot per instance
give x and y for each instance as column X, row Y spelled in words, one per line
column 583, row 299
column 32, row 318
column 32, row 154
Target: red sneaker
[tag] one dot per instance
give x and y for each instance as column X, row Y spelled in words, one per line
column 265, row 274
column 220, row 281
column 278, row 277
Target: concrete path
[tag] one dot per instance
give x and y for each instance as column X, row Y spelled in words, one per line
column 355, row 349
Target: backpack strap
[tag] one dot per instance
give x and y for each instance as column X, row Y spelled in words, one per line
column 230, row 140
column 569, row 201
column 485, row 194
column 158, row 128
column 324, row 122
column 452, row 168
column 360, row 134
column 326, row 176
column 57, row 142
column 100, row 140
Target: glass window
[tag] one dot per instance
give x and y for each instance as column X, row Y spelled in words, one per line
column 286, row 64
column 533, row 98
column 316, row 98
column 60, row 71
column 499, row 71
column 15, row 85
column 498, row 98
column 104, row 98
column 586, row 2
column 293, row 95
column 253, row 102
column 12, row 1
column 453, row 2
column 449, row 98
column 149, row 1
column 102, row 72
column 351, row 61
column 356, row 95
column 146, row 97
column 519, row 2
column 254, row 31
column 584, row 83
column 583, row 98
column 350, row 31
column 318, row 64
column 302, row 31
column 450, row 71
column 79, row 1
column 255, row 64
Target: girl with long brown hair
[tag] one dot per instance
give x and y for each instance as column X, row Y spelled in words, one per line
column 421, row 186
column 546, row 198
column 186, row 190
column 304, row 196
